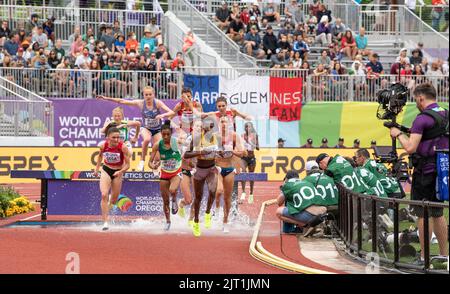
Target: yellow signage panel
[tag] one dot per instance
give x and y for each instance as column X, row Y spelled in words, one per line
column 275, row 162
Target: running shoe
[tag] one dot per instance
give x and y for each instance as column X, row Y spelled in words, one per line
column 166, row 226
column 140, row 166
column 196, row 229
column 207, row 220
column 191, row 223
column 250, row 199
column 181, row 211
column 174, row 207
column 243, row 195
column 105, row 226
column 226, row 228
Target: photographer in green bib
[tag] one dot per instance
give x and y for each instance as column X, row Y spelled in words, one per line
column 389, row 184
column 341, row 171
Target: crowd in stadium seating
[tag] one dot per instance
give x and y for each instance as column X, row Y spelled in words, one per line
column 35, row 46
column 255, row 29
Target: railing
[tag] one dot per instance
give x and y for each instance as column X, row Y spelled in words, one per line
column 360, row 226
column 174, row 35
column 190, row 15
column 69, row 18
column 76, row 83
column 114, row 4
column 23, row 116
column 71, row 83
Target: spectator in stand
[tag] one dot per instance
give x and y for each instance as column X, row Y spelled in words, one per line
column 234, row 28
column 34, row 22
column 314, row 8
column 434, row 74
column 375, row 65
column 252, row 44
column 318, row 81
column 348, row 45
column 293, row 12
column 323, row 34
column 324, row 143
column 116, row 29
column 280, row 59
column 418, row 71
column 83, row 60
column 41, row 63
column 40, row 37
column 5, row 32
column 89, row 34
column 297, row 61
column 19, row 59
column 155, row 31
column 281, row 142
column 132, row 44
column 270, row 14
column 161, row 50
column 12, row 45
column 91, row 45
column 119, row 45
column 403, row 55
column 49, row 28
column 222, row 17
column 309, row 144
column 253, row 22
column 302, row 47
column 245, row 16
column 311, row 22
column 340, row 143
column 147, row 39
column 333, row 52
column 359, row 71
column 270, row 42
column 255, row 11
column 306, row 67
column 338, row 84
column 398, row 66
column 337, row 30
column 108, row 38
column 53, row 60
column 415, row 58
column 188, row 42
column 437, row 12
column 284, row 44
column 362, row 42
column 324, row 59
column 286, row 31
column 323, row 11
column 76, row 32
column 235, row 12
column 76, row 47
column 178, row 63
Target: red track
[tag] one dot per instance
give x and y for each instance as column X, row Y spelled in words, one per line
column 43, row 250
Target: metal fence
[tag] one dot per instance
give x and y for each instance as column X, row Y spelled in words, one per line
column 361, row 227
column 201, row 25
column 107, row 4
column 22, row 113
column 74, row 83
column 69, row 18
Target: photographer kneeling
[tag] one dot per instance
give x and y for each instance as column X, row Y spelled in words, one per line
column 427, row 135
column 299, row 201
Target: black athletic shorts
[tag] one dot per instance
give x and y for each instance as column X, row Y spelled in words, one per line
column 423, row 187
column 110, row 171
column 186, row 172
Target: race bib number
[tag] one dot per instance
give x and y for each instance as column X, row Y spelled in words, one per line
column 169, row 165
column 152, row 123
column 111, row 157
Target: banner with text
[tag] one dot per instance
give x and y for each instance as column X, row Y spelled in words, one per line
column 78, row 122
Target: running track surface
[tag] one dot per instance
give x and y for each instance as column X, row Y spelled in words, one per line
column 142, row 250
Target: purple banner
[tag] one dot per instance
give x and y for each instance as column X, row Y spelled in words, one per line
column 78, row 121
column 83, row 198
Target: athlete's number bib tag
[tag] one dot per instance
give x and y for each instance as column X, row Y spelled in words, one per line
column 111, row 157
column 169, row 165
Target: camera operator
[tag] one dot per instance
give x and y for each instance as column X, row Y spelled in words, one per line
column 427, row 134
